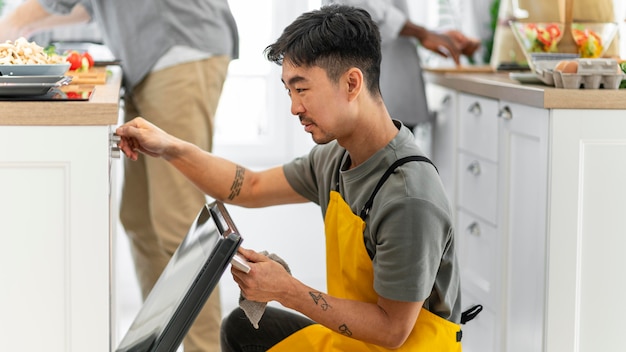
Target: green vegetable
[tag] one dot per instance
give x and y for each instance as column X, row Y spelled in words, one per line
column 50, row 49
column 622, row 65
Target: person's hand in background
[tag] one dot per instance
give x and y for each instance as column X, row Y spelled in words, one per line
column 30, row 17
column 439, row 43
column 468, row 46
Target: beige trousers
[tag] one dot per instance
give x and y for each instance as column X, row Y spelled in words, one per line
column 158, row 203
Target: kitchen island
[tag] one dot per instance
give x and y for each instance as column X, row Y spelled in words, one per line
column 56, row 222
column 537, row 176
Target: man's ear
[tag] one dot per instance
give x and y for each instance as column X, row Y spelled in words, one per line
column 354, row 81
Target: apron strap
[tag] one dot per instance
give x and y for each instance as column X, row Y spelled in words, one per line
column 368, row 205
column 471, row 313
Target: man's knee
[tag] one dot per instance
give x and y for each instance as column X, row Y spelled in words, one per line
column 233, row 323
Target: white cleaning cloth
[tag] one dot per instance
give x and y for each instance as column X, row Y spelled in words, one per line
column 254, row 310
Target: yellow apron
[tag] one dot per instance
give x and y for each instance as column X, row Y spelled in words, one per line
column 350, row 275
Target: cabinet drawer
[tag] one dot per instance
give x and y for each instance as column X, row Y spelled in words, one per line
column 479, row 334
column 478, row 186
column 478, row 126
column 478, row 258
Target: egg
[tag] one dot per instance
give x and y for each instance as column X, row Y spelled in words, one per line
column 561, row 65
column 571, row 67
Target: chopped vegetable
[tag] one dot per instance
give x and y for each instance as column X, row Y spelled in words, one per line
column 74, row 59
column 50, row 50
column 87, row 57
column 589, row 42
column 540, row 38
column 79, row 62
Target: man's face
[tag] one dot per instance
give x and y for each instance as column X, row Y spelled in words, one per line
column 316, row 100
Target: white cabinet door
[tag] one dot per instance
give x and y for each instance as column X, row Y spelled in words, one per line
column 523, row 147
column 587, row 231
column 444, row 147
column 54, row 226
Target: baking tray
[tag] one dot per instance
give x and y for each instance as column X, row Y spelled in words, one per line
column 17, row 86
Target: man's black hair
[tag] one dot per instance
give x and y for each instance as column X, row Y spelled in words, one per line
column 335, row 38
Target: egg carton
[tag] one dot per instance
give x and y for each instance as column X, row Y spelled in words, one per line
column 546, row 75
column 587, row 81
column 591, row 74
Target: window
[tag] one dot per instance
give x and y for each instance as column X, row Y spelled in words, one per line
column 254, row 125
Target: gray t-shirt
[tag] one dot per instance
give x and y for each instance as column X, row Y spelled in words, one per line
column 140, row 32
column 409, row 231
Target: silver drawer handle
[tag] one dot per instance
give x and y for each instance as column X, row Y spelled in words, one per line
column 475, row 109
column 113, row 141
column 474, row 168
column 473, row 229
column 115, row 153
column 505, row 113
column 446, row 99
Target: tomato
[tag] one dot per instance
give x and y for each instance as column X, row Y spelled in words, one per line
column 73, row 95
column 89, row 59
column 75, row 60
column 579, row 36
column 554, row 30
column 544, row 37
column 78, row 61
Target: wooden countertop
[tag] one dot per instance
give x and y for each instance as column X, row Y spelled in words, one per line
column 500, row 86
column 101, row 109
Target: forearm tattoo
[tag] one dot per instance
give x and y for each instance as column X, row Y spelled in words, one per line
column 320, row 300
column 235, row 188
column 343, row 329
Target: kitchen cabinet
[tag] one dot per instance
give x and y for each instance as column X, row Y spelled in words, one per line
column 501, row 195
column 540, row 235
column 501, row 175
column 56, row 223
column 465, row 150
column 443, row 102
column 477, row 198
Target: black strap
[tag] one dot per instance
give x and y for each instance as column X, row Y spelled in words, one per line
column 368, row 205
column 471, row 313
column 466, row 316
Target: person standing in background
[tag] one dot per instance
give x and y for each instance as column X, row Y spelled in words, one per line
column 175, row 58
column 401, row 79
